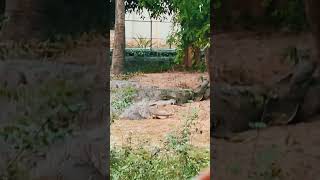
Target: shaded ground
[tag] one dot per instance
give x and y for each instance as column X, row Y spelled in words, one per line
column 155, row 130
column 247, row 58
column 287, row 152
column 279, row 153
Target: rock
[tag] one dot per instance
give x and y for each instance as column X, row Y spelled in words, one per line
column 137, row 111
column 234, row 107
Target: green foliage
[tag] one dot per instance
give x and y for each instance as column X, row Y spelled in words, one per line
column 149, row 60
column 180, row 141
column 192, row 25
column 141, row 163
column 191, row 20
column 201, row 67
column 177, row 159
column 156, row 8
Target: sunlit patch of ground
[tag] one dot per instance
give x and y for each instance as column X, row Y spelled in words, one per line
column 155, row 130
column 171, row 79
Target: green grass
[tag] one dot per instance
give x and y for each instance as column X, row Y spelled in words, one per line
column 141, row 163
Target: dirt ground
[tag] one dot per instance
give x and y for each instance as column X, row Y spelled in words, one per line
column 171, row 79
column 154, row 131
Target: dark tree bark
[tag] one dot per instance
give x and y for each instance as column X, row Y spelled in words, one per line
column 25, row 20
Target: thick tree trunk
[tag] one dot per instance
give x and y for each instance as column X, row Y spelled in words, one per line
column 25, row 20
column 118, row 55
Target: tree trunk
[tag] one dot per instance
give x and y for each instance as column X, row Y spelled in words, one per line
column 25, row 20
column 118, row 55
column 187, row 58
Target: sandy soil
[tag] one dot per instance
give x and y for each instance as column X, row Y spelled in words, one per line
column 171, row 79
column 154, row 131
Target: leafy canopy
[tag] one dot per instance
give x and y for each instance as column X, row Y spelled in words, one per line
column 191, row 19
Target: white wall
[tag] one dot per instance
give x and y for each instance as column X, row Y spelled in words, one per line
column 136, row 27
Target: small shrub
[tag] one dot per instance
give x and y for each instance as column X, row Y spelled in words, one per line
column 142, row 42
